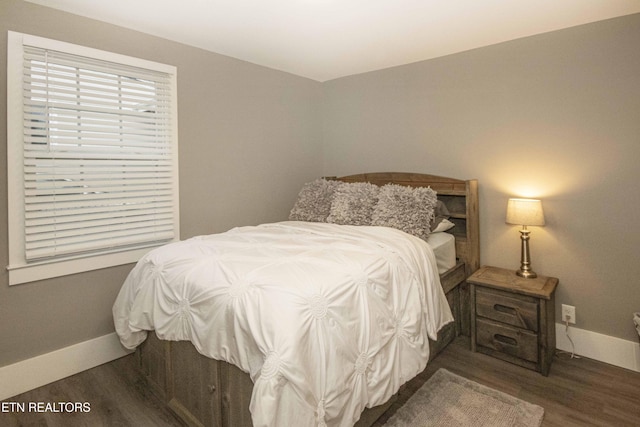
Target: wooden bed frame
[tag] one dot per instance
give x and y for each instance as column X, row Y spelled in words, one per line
column 208, row 392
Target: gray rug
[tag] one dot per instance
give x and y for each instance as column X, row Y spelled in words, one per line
column 449, row 400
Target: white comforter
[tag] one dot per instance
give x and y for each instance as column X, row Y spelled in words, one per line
column 327, row 319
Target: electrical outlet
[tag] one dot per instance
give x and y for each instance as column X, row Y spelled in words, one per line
column 568, row 313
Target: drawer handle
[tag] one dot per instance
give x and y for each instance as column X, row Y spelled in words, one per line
column 510, row 311
column 505, row 309
column 505, row 340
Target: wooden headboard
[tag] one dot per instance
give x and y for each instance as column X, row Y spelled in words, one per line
column 460, row 197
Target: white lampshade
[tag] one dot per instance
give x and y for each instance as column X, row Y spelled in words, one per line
column 525, row 212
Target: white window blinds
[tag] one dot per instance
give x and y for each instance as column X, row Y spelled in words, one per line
column 98, row 155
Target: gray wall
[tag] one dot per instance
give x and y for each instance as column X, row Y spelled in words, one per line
column 249, row 137
column 555, row 116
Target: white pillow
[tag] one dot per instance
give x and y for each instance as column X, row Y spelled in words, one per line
column 444, row 225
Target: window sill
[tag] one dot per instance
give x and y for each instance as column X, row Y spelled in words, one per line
column 49, row 269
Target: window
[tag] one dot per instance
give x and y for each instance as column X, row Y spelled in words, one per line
column 92, row 158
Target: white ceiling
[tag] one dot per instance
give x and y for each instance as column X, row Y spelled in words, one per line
column 327, row 39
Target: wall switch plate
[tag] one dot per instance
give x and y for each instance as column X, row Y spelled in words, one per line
column 570, row 311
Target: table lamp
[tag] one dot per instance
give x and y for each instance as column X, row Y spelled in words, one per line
column 525, row 212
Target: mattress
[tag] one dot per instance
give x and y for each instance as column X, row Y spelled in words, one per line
column 444, row 248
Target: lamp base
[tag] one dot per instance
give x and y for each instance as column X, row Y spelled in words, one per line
column 526, row 274
column 525, row 261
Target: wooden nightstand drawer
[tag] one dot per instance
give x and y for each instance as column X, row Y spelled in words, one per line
column 516, row 310
column 506, row 339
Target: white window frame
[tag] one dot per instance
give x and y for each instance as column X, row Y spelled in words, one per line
column 21, row 270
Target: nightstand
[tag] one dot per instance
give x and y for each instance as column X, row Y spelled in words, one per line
column 513, row 318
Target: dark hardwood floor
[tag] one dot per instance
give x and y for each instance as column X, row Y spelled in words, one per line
column 116, row 395
column 577, row 392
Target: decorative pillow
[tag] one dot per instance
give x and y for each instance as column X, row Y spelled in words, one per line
column 353, row 203
column 405, row 208
column 314, row 201
column 440, row 213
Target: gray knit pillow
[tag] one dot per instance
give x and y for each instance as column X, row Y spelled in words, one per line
column 405, row 208
column 314, row 201
column 353, row 203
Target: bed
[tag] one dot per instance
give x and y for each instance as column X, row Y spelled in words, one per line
column 267, row 343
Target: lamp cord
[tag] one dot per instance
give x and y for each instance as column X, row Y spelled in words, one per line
column 573, row 347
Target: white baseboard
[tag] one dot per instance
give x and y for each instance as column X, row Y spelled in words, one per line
column 44, row 369
column 605, row 348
